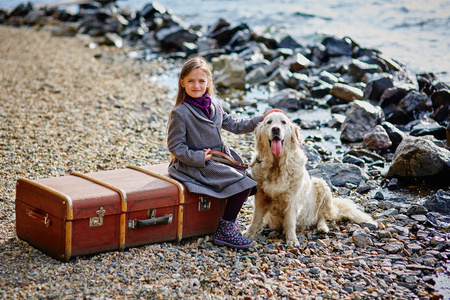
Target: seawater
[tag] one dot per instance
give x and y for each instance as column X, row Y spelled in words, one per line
column 413, row 32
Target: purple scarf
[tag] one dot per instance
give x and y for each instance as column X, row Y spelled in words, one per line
column 203, row 103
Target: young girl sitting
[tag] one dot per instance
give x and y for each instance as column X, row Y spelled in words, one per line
column 193, row 131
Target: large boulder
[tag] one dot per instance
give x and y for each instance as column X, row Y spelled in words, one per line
column 229, row 71
column 360, row 120
column 418, row 157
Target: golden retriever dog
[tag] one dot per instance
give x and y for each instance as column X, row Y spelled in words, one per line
column 287, row 197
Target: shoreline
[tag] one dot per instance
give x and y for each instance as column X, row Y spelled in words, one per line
column 66, row 107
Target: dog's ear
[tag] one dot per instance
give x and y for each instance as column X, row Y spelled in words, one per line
column 297, row 136
column 258, row 136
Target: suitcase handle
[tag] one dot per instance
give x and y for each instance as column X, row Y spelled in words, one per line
column 39, row 217
column 136, row 224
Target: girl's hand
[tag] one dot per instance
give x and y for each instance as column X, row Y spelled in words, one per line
column 271, row 111
column 207, row 155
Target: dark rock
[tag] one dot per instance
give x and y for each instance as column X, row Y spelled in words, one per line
column 429, row 128
column 439, row 202
column 337, row 47
column 416, row 209
column 358, row 69
column 415, row 104
column 395, row 135
column 150, row 10
column 290, row 43
column 321, row 90
column 442, row 114
column 350, row 159
column 360, row 120
column 363, row 187
column 175, row 36
column 425, row 82
column 22, row 10
column 376, row 87
column 392, row 96
column 440, row 98
column 225, row 34
column 342, row 173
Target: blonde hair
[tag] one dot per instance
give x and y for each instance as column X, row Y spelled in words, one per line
column 188, row 67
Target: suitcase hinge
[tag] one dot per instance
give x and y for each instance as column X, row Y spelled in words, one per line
column 204, row 204
column 97, row 221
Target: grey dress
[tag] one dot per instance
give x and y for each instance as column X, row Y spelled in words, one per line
column 189, row 132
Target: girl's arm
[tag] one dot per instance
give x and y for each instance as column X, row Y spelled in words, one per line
column 176, row 142
column 239, row 126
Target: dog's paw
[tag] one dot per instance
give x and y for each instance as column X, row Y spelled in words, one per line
column 292, row 243
column 323, row 228
column 248, row 233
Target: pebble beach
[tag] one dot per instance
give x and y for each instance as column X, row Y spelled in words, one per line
column 67, row 107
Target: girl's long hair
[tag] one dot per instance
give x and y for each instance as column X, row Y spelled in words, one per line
column 189, row 65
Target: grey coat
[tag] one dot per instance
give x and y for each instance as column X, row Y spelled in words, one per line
column 189, row 132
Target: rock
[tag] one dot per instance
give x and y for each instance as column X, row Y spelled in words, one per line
column 256, row 75
column 376, row 87
column 439, row 202
column 346, row 92
column 394, row 247
column 350, row 159
column 65, row 29
column 377, row 139
column 393, row 95
column 337, row 47
column 360, row 120
column 175, row 37
column 225, row 34
column 419, row 157
column 414, row 105
column 361, row 238
column 395, row 135
column 229, row 71
column 290, row 43
column 150, row 10
column 341, row 173
column 358, row 69
column 429, row 127
column 288, row 99
column 297, row 62
column 113, row 39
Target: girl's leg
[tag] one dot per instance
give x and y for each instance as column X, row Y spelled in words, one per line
column 228, row 232
column 234, row 205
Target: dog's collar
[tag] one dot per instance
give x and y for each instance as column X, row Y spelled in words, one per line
column 256, row 161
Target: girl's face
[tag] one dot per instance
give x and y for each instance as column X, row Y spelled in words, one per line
column 196, row 83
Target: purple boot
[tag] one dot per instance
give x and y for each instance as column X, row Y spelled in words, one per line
column 228, row 234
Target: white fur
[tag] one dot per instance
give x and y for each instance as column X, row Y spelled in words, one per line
column 287, row 197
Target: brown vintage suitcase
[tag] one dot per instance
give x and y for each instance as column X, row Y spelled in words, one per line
column 103, row 211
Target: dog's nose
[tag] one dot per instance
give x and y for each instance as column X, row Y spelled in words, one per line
column 276, row 130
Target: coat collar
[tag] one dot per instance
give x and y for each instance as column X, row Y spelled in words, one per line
column 199, row 114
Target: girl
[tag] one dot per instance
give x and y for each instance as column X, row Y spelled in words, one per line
column 193, row 131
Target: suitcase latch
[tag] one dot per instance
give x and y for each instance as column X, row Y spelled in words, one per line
column 97, row 221
column 204, row 204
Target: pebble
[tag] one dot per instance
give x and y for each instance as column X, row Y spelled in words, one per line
column 104, row 115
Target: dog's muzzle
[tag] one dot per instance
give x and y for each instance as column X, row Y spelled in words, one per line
column 276, row 141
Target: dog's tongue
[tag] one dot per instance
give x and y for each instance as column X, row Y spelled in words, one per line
column 276, row 146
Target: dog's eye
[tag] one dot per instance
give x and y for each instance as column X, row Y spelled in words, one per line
column 269, row 122
column 283, row 122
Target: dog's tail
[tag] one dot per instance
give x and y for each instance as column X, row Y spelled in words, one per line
column 346, row 208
